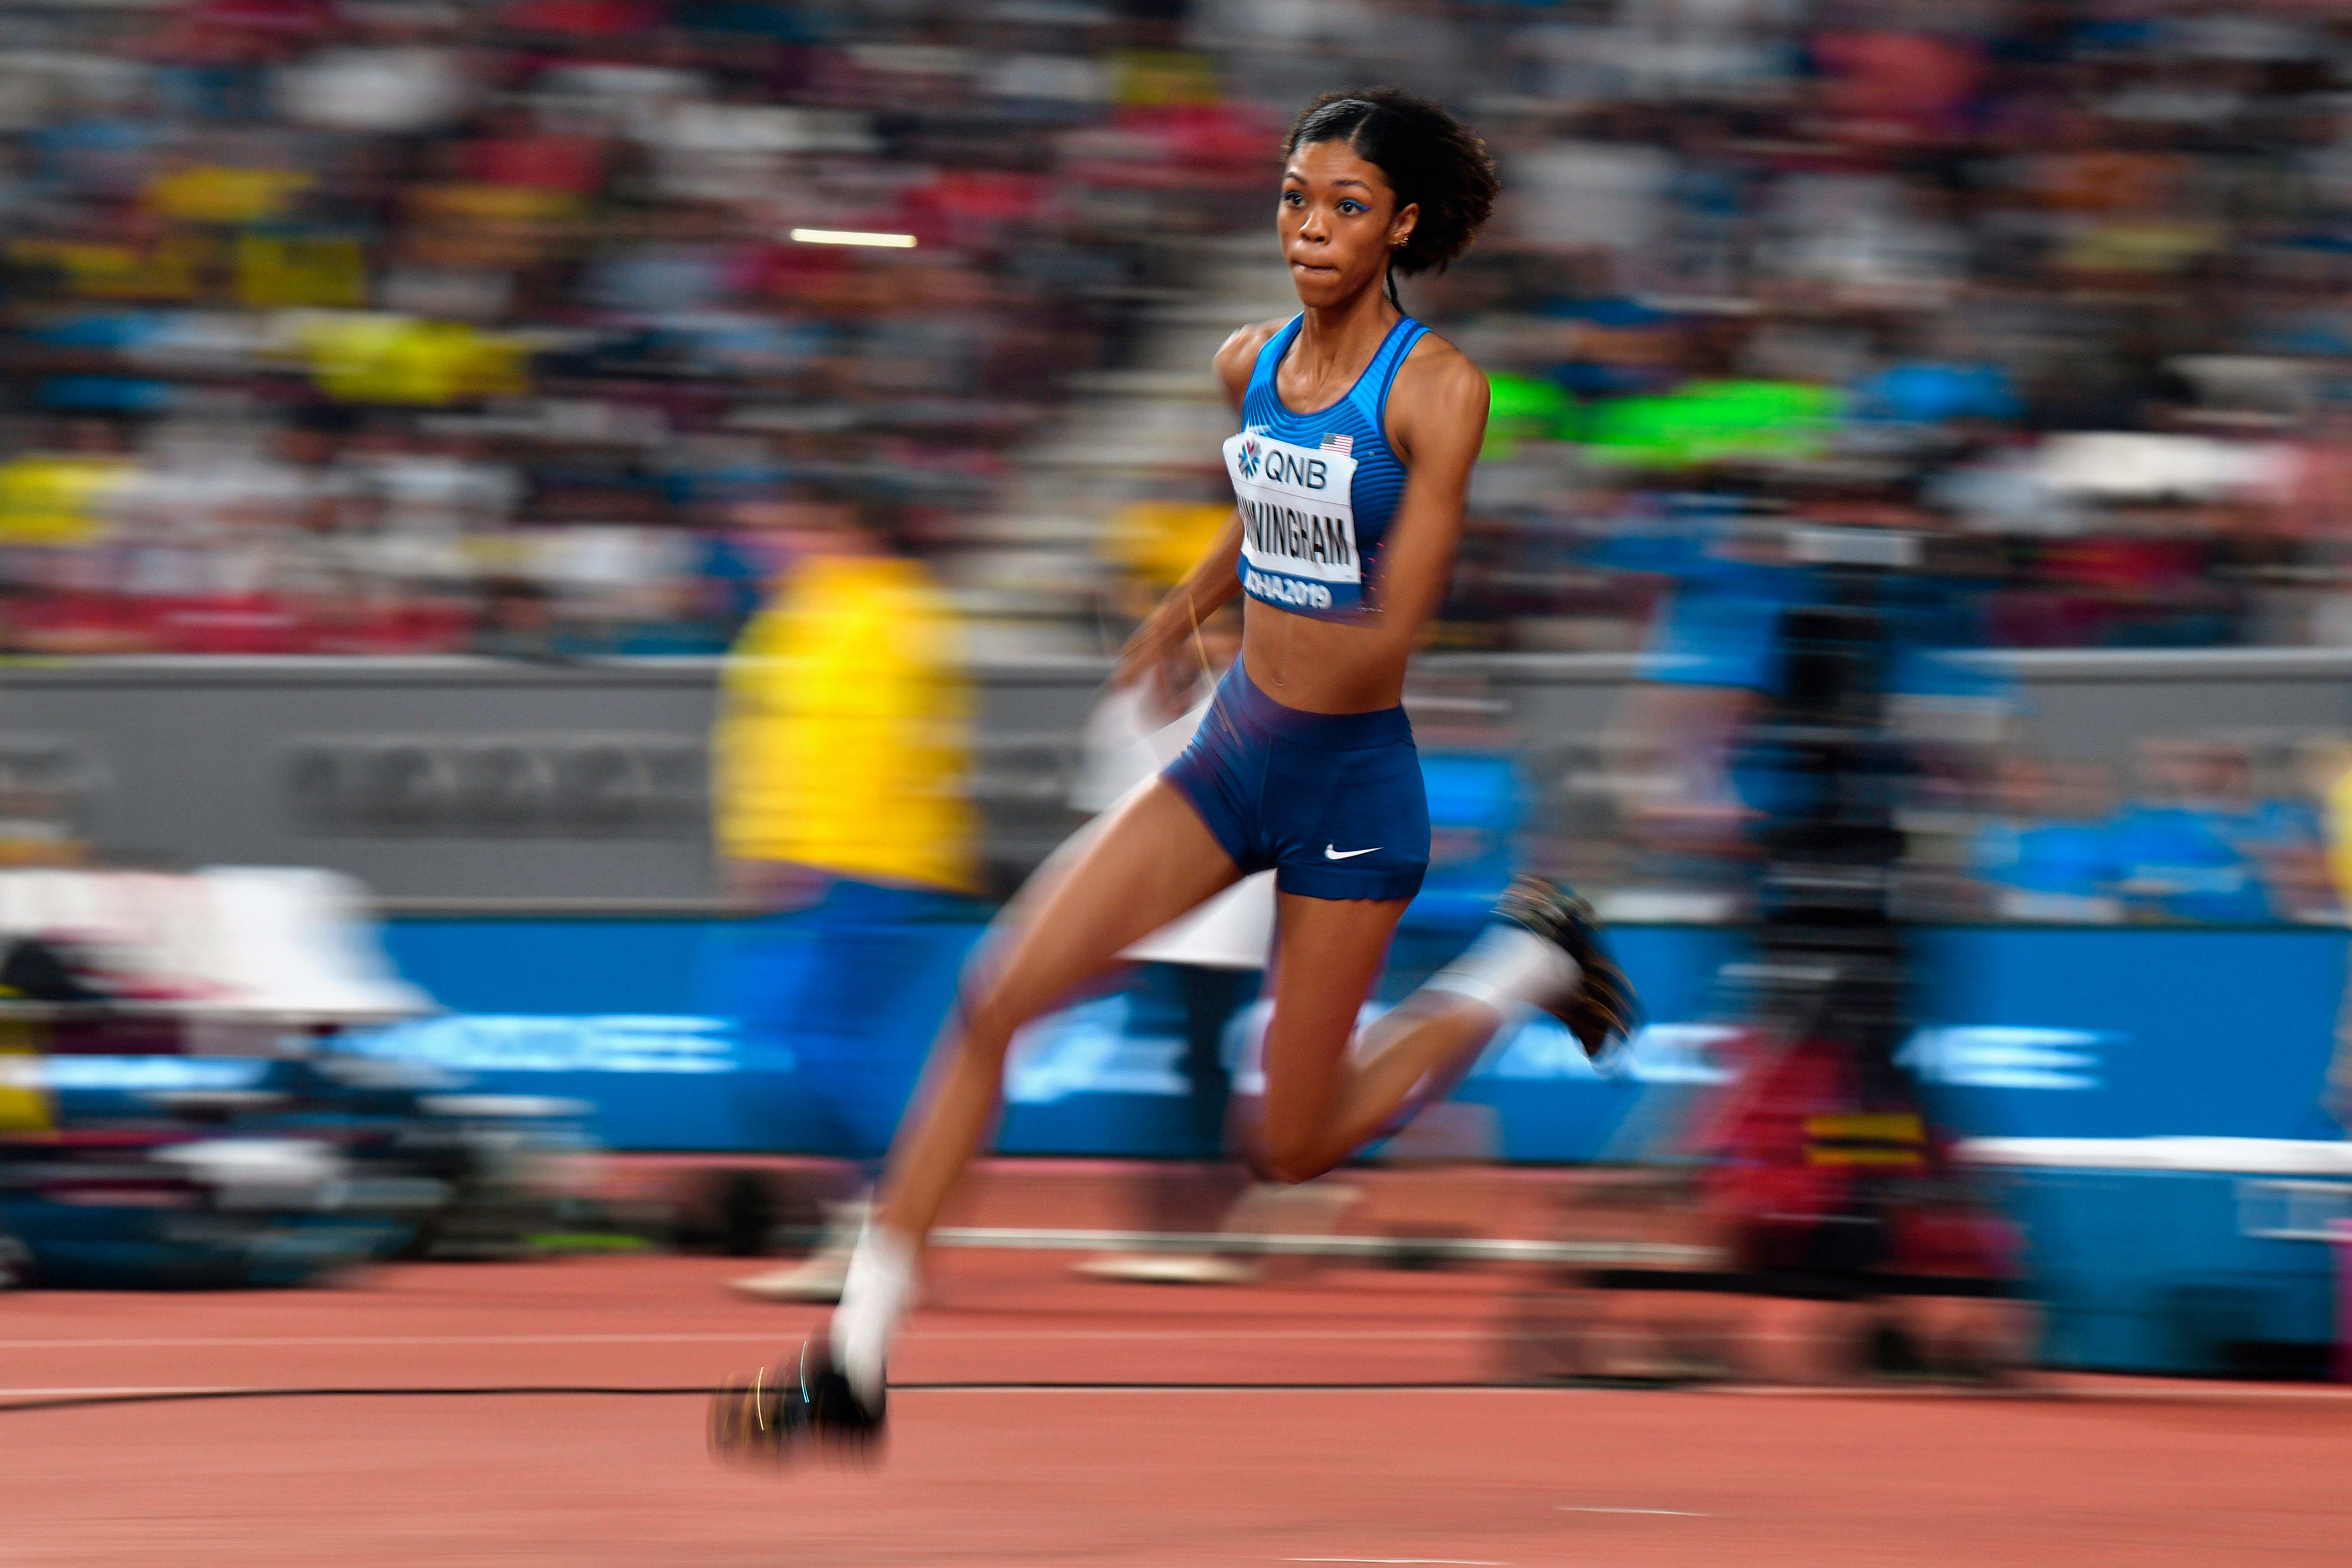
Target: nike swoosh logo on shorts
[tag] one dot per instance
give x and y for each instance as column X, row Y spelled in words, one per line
column 1331, row 853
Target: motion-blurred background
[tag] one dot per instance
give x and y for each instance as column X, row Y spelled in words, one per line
column 409, row 403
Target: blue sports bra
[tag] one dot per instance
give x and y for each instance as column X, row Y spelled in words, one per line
column 1315, row 490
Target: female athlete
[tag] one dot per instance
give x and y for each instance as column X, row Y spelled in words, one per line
column 1359, row 428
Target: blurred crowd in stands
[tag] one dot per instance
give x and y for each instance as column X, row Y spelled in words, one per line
column 513, row 326
column 405, row 326
column 2067, row 276
column 2214, row 832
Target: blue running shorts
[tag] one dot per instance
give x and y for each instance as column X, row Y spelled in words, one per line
column 1333, row 801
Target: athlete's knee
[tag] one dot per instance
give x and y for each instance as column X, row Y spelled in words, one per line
column 987, row 1017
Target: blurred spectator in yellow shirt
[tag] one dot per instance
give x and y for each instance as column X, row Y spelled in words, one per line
column 841, row 750
column 842, row 740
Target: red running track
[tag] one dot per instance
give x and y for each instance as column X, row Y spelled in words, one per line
column 2112, row 1474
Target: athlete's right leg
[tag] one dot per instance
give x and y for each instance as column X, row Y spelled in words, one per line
column 1152, row 861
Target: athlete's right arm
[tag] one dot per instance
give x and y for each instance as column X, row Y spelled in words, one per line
column 1162, row 644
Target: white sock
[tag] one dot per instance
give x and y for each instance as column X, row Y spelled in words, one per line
column 1510, row 969
column 878, row 1290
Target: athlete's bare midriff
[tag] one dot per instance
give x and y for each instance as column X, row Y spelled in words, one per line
column 1318, row 666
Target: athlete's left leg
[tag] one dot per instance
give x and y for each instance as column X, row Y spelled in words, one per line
column 1331, row 1089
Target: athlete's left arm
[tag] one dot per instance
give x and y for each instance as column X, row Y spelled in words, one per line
column 1436, row 421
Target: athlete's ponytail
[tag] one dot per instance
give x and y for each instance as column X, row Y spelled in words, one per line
column 1430, row 157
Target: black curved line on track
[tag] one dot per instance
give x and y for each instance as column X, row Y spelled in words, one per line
column 201, row 1395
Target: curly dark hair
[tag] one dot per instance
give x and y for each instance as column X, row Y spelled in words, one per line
column 1430, row 157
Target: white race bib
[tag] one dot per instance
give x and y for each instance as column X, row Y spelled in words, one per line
column 1298, row 523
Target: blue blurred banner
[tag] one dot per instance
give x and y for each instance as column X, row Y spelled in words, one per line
column 2024, row 1032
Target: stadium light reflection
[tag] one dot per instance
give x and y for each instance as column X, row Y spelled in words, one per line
column 853, row 237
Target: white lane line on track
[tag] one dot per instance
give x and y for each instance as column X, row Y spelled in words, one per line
column 939, row 1336
column 1666, row 1512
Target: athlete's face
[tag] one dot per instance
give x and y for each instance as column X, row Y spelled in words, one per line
column 1340, row 222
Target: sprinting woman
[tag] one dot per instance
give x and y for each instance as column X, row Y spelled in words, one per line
column 1358, row 429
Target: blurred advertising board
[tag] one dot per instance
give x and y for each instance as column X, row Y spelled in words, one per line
column 2026, row 1032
